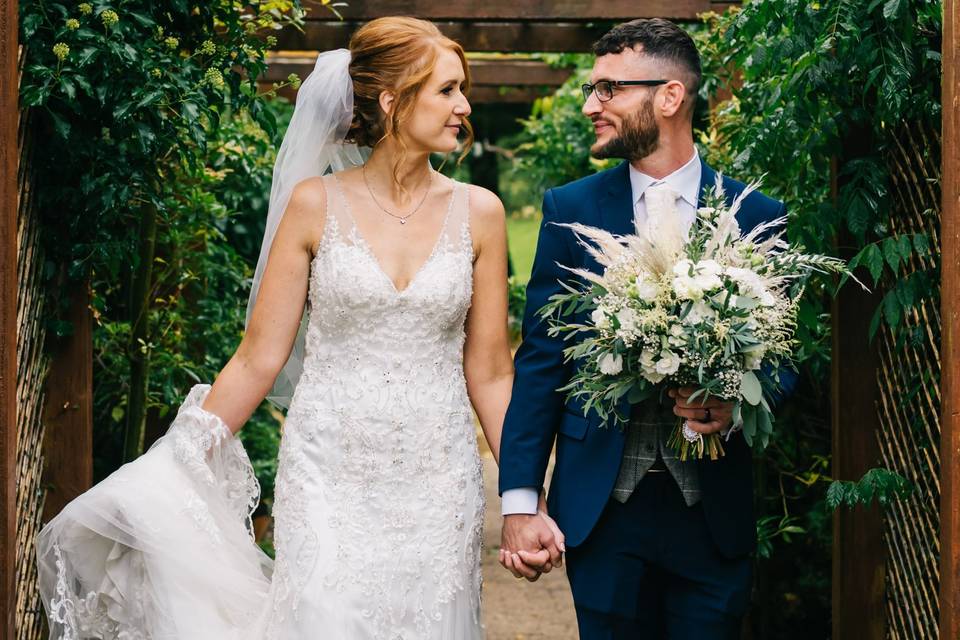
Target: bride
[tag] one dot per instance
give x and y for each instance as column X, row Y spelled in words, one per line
column 377, row 316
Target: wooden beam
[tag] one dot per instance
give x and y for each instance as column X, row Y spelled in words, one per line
column 507, row 95
column 528, row 10
column 9, row 119
column 478, row 95
column 474, row 36
column 491, row 73
column 950, row 337
column 516, row 73
column 859, row 552
column 68, row 411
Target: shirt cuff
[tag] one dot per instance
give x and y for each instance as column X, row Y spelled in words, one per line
column 521, row 500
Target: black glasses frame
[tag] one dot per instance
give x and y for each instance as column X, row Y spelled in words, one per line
column 591, row 88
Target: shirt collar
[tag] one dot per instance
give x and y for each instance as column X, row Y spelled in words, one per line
column 685, row 181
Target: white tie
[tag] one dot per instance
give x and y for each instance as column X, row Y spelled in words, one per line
column 663, row 220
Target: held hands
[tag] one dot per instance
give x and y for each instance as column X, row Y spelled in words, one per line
column 531, row 544
column 705, row 417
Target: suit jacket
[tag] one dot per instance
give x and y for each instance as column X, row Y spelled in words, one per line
column 588, row 453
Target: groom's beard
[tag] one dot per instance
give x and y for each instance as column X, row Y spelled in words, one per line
column 639, row 136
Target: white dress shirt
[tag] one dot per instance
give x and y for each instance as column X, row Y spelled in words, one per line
column 685, row 181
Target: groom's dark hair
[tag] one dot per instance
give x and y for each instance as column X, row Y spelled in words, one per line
column 657, row 38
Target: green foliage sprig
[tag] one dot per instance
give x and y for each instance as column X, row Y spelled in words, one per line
column 881, row 485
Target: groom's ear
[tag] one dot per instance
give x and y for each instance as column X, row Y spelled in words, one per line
column 673, row 98
column 386, row 101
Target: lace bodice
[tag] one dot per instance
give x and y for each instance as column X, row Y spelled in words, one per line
column 381, row 412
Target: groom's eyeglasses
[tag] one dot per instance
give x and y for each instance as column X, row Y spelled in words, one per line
column 604, row 88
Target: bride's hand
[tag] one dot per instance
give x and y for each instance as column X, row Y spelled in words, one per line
column 557, row 534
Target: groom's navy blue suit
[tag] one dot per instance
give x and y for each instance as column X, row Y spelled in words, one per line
column 589, row 454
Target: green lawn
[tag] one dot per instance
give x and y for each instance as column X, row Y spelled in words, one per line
column 522, row 237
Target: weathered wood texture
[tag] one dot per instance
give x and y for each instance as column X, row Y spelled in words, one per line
column 486, row 36
column 950, row 343
column 491, row 73
column 32, row 369
column 8, row 316
column 528, row 10
column 858, row 549
column 68, row 411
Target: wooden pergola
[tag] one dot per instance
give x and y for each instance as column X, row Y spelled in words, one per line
column 508, row 26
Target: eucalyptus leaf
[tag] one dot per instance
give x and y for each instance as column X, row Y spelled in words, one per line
column 750, row 388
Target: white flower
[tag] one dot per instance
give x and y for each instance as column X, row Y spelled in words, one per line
column 628, row 319
column 610, row 364
column 648, row 366
column 709, row 267
column 707, row 275
column 751, row 284
column 647, row 290
column 682, row 267
column 753, row 358
column 686, row 288
column 668, row 364
column 698, row 313
column 676, row 335
column 600, row 319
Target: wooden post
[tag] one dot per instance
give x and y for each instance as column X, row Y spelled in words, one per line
column 68, row 412
column 9, row 117
column 950, row 339
column 859, row 552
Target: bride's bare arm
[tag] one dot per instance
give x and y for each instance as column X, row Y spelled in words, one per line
column 266, row 345
column 487, row 363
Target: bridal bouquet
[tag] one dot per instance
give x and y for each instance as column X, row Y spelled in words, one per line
column 710, row 309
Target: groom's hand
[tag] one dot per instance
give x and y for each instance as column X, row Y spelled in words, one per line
column 703, row 416
column 529, row 546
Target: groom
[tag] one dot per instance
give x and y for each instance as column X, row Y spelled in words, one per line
column 655, row 547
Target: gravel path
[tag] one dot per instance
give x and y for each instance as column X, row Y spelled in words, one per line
column 517, row 609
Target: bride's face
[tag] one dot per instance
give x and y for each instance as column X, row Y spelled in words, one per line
column 441, row 107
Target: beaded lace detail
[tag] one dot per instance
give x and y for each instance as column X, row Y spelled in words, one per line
column 381, row 417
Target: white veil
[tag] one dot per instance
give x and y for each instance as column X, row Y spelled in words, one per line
column 312, row 146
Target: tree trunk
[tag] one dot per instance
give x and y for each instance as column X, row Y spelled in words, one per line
column 140, row 287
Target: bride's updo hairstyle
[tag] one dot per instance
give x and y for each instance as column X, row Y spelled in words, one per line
column 396, row 54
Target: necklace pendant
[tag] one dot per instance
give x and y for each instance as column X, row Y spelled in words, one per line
column 403, row 221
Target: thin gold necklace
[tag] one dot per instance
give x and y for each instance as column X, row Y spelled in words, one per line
column 403, row 218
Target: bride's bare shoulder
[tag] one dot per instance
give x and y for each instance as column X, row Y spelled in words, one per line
column 306, row 211
column 486, row 210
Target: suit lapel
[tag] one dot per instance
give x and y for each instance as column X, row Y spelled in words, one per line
column 615, row 204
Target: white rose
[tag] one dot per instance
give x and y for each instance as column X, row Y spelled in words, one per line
column 676, row 336
column 682, row 268
column 707, row 281
column 600, row 319
column 647, row 290
column 698, row 313
column 709, row 267
column 648, row 365
column 648, row 360
column 653, row 376
column 753, row 358
column 668, row 364
column 628, row 319
column 686, row 288
column 610, row 364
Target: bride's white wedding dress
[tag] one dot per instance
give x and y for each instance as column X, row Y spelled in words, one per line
column 379, row 501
